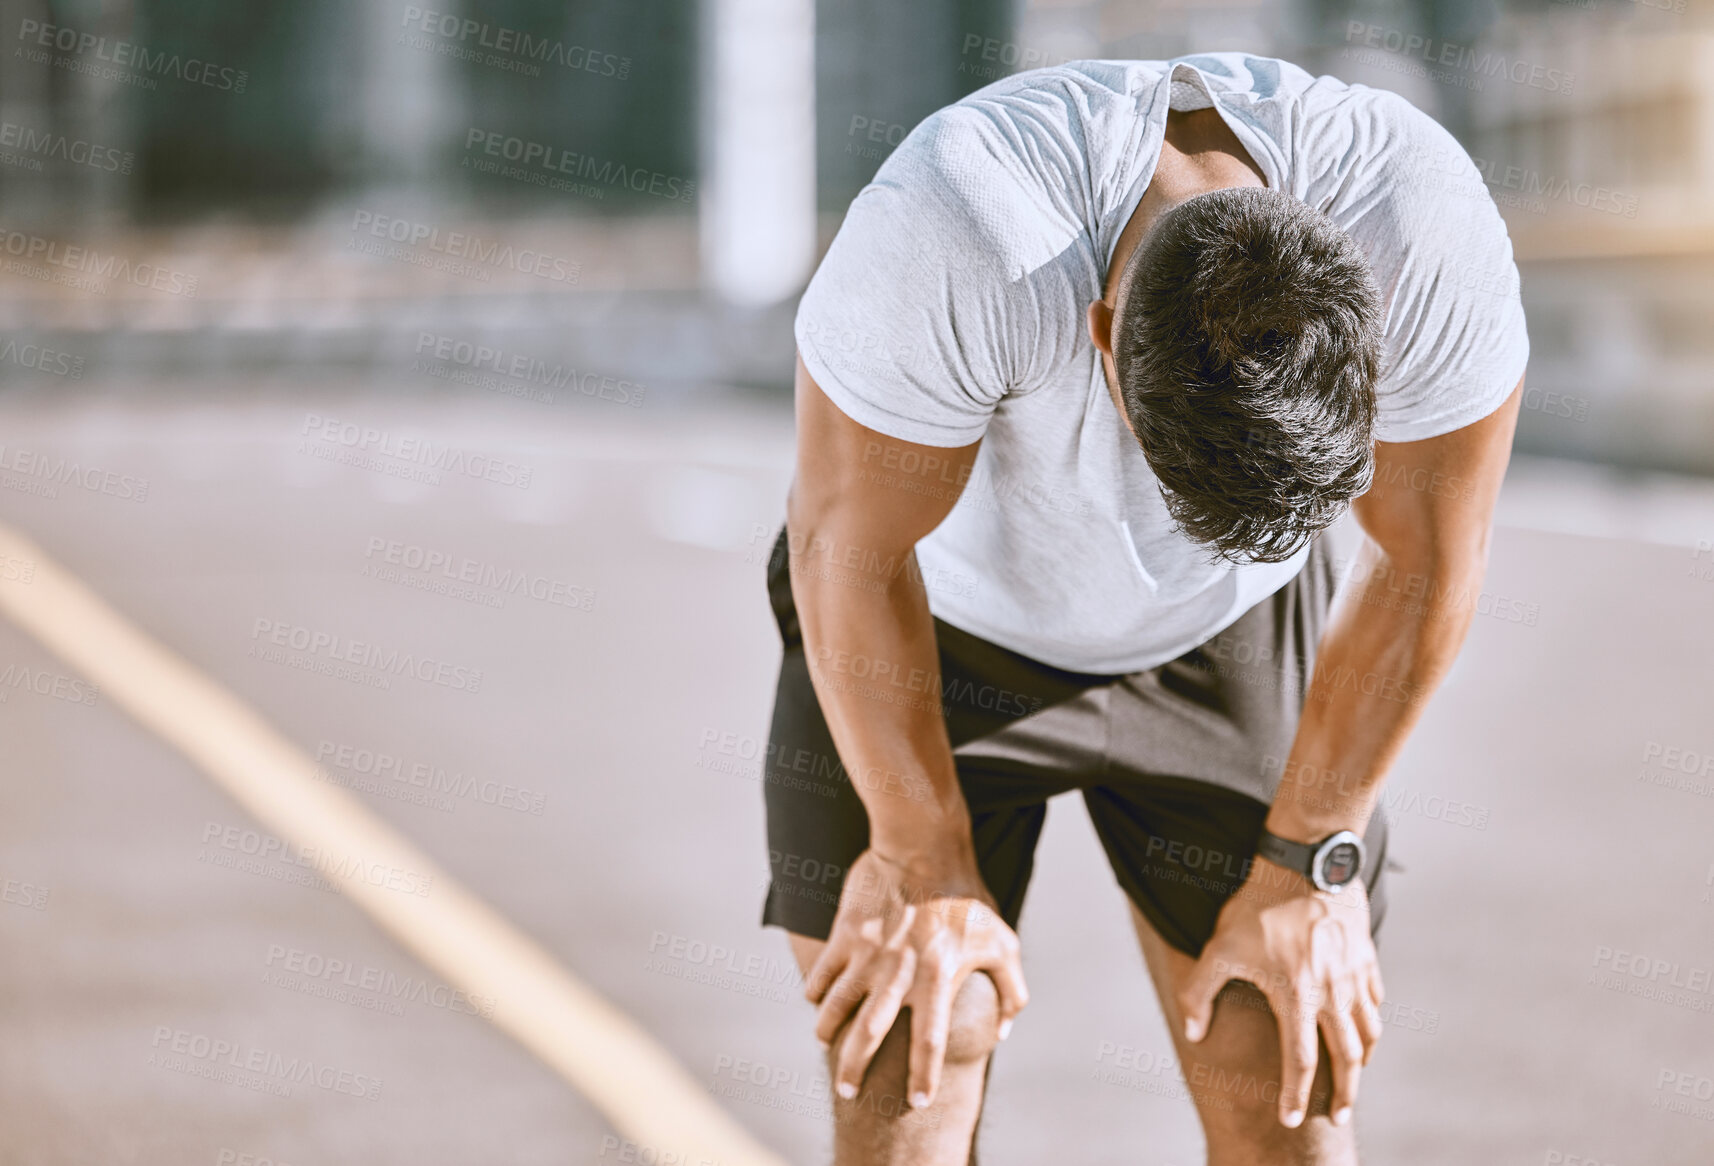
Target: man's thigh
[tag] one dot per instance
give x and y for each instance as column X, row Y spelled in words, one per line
column 817, row 822
column 1233, row 1073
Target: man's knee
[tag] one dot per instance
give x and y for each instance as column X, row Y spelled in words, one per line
column 879, row 1127
column 971, row 1036
column 1234, row 1076
column 975, row 1026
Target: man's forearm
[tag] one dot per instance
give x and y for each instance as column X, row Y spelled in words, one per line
column 1393, row 637
column 869, row 641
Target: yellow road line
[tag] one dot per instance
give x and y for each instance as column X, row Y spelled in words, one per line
column 602, row 1054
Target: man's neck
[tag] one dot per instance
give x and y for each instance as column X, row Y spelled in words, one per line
column 1200, row 153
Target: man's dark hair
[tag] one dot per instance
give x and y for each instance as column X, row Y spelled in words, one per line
column 1247, row 356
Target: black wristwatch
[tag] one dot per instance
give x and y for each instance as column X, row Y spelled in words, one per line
column 1331, row 864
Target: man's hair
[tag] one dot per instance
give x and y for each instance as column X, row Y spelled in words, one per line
column 1247, row 357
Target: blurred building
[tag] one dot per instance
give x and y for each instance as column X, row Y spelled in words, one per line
column 305, row 175
column 1609, row 193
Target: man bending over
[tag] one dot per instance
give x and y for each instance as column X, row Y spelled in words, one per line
column 1090, row 366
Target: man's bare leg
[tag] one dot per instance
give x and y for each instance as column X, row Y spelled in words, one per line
column 1234, row 1073
column 877, row 1127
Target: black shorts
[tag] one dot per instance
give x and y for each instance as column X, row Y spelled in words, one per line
column 1170, row 762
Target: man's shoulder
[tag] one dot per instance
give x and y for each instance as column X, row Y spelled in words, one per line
column 1003, row 177
column 1095, row 79
column 994, row 125
column 1367, row 154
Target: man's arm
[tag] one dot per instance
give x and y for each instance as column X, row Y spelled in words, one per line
column 1394, row 633
column 1400, row 623
column 915, row 918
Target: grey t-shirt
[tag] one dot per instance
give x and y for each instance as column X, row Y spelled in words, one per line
column 950, row 307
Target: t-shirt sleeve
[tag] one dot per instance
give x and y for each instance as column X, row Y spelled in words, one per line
column 908, row 325
column 1455, row 340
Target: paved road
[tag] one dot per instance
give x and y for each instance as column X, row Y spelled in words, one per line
column 595, row 786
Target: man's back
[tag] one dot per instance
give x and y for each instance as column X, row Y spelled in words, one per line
column 950, row 308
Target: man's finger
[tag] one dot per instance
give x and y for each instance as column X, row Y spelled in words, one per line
column 835, row 954
column 1007, row 972
column 1298, row 1054
column 1377, row 989
column 1368, row 1019
column 931, row 1024
column 1345, row 1052
column 873, row 1020
column 838, row 1004
column 1196, row 995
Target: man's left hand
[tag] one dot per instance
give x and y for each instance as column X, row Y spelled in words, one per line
column 1311, row 955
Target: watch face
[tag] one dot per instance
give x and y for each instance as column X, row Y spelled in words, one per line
column 1340, row 864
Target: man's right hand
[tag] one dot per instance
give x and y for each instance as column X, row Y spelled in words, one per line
column 914, row 919
column 907, row 934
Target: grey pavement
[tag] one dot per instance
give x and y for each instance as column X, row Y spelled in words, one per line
column 1552, row 813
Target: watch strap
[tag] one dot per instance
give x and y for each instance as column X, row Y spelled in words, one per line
column 1294, row 856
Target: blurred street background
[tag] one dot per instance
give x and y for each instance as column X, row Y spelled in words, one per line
column 564, row 242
